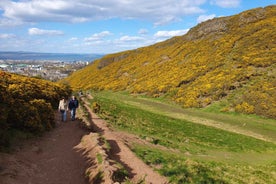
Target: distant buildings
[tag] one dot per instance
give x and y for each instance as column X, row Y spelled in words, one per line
column 50, row 70
column 4, row 66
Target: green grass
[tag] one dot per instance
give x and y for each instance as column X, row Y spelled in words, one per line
column 99, row 158
column 255, row 125
column 182, row 169
column 193, row 152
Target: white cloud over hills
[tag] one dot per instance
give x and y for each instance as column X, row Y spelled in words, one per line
column 36, row 31
column 103, row 25
column 160, row 12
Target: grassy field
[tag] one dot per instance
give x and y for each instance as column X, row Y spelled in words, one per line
column 193, row 145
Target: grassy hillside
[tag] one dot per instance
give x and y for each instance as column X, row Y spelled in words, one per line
column 224, row 148
column 27, row 106
column 230, row 60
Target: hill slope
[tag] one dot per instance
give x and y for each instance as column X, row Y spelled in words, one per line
column 229, row 59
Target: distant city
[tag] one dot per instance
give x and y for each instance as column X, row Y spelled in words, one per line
column 50, row 66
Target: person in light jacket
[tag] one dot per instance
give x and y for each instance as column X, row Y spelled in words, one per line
column 63, row 107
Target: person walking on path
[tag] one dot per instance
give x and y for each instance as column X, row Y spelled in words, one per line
column 73, row 105
column 63, row 107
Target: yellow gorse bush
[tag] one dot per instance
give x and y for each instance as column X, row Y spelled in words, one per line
column 27, row 104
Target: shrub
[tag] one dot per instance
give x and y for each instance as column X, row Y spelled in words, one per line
column 27, row 105
column 245, row 107
column 46, row 113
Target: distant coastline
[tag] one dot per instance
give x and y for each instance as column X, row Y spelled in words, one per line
column 37, row 56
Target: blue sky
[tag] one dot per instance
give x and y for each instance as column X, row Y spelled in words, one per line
column 105, row 26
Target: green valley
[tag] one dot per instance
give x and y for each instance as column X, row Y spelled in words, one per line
column 186, row 151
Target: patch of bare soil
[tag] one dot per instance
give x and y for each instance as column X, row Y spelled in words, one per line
column 121, row 153
column 51, row 159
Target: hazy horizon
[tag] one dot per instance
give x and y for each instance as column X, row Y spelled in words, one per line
column 70, row 57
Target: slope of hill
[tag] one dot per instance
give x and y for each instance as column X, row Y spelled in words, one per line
column 229, row 59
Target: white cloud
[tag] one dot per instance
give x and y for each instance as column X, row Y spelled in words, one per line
column 7, row 36
column 131, row 38
column 226, row 3
column 143, row 31
column 167, row 34
column 36, row 31
column 203, row 18
column 73, row 39
column 4, row 3
column 102, row 34
column 98, row 36
column 9, row 23
column 160, row 12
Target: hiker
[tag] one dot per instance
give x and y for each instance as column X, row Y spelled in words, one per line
column 73, row 105
column 63, row 107
column 80, row 93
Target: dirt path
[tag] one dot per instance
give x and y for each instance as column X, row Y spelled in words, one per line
column 51, row 159
column 65, row 154
column 121, row 153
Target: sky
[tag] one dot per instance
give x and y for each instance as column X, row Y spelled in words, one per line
column 105, row 26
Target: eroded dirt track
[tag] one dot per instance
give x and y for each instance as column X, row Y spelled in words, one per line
column 51, row 159
column 120, row 152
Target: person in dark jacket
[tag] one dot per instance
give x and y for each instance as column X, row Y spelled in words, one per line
column 73, row 105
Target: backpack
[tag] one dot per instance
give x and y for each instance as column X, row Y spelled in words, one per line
column 76, row 103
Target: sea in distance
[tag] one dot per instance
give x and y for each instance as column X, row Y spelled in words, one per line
column 36, row 56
